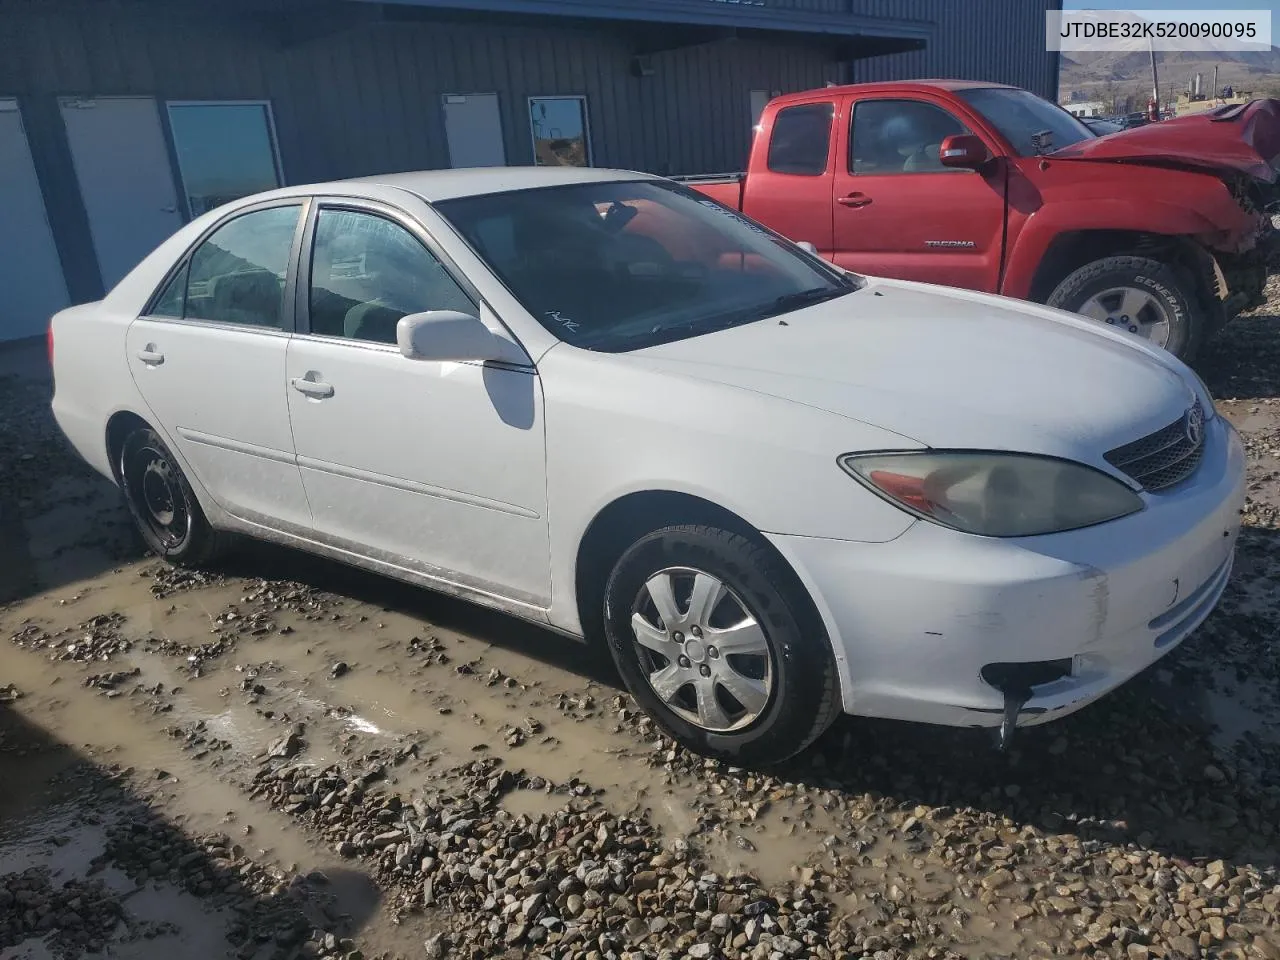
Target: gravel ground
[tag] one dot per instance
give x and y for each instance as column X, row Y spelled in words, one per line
column 291, row 759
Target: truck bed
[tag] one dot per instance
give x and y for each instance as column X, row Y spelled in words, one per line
column 726, row 188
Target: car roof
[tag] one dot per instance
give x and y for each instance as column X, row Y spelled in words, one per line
column 432, row 185
column 890, row 86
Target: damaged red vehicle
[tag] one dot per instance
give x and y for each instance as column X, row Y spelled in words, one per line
column 1164, row 230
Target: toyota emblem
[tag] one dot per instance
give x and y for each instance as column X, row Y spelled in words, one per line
column 1195, row 426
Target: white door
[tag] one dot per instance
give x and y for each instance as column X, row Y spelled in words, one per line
column 30, row 271
column 435, row 467
column 473, row 128
column 209, row 359
column 122, row 165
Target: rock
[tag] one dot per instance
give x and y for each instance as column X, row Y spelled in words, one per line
column 721, row 923
column 700, row 951
column 1137, row 951
column 1185, row 946
column 286, row 747
column 436, row 947
column 789, row 946
column 1214, row 774
column 340, row 669
column 644, row 880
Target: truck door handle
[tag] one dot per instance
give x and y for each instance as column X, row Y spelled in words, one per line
column 316, row 389
column 150, row 355
column 854, row 200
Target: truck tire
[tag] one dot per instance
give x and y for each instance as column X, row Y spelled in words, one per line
column 1144, row 297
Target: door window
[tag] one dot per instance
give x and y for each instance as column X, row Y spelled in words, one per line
column 225, row 151
column 237, row 275
column 367, row 272
column 560, row 134
column 900, row 136
column 801, row 139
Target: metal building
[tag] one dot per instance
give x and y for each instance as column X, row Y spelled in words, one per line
column 121, row 119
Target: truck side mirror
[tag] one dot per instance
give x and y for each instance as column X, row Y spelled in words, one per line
column 963, row 151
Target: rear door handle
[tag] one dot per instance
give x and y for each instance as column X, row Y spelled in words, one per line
column 316, row 389
column 150, row 355
column 854, row 200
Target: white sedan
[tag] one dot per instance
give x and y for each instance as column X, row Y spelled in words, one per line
column 598, row 401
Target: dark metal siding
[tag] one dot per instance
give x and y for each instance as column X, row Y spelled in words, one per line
column 351, row 98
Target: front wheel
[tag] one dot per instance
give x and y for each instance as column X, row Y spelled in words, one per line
column 719, row 645
column 1143, row 297
column 161, row 502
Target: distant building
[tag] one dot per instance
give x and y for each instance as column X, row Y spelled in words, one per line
column 122, row 119
column 1086, row 108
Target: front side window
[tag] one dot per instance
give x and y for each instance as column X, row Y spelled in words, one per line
column 237, row 275
column 801, row 139
column 559, row 126
column 367, row 272
column 1031, row 124
column 225, row 151
column 900, row 136
column 624, row 265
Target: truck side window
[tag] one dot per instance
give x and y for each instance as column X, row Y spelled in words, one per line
column 899, row 136
column 800, row 140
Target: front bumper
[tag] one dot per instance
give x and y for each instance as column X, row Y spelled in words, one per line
column 914, row 621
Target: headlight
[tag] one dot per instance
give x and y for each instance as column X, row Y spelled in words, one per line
column 994, row 494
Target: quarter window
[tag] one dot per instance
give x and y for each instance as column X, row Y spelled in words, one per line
column 900, row 136
column 237, row 275
column 367, row 272
column 801, row 139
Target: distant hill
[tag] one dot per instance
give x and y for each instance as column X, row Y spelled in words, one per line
column 1105, row 74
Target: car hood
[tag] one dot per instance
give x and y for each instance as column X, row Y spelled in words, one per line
column 948, row 368
column 1243, row 137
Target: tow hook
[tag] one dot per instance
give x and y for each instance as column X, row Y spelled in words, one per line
column 1013, row 701
column 1017, row 681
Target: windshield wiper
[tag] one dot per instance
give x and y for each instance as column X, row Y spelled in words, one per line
column 807, row 298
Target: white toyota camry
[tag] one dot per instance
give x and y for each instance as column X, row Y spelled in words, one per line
column 602, row 402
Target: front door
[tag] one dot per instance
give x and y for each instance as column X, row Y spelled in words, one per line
column 436, row 467
column 898, row 212
column 209, row 359
column 122, row 165
column 473, row 129
column 30, row 271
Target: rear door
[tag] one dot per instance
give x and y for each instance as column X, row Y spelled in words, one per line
column 209, row 359
column 898, row 212
column 788, row 186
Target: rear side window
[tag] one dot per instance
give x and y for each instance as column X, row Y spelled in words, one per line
column 237, row 275
column 801, row 139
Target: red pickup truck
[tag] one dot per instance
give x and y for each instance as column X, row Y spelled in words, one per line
column 1164, row 230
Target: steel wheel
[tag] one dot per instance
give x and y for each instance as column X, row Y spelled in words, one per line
column 152, row 485
column 704, row 653
column 1133, row 309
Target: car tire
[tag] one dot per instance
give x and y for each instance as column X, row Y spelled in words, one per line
column 1108, row 289
column 163, row 506
column 777, row 657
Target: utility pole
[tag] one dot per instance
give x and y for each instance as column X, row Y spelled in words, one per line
column 1216, row 89
column 1154, row 111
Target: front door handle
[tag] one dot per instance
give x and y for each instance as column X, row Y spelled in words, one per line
column 316, row 389
column 854, row 200
column 150, row 355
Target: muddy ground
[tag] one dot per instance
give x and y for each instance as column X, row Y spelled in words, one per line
column 286, row 758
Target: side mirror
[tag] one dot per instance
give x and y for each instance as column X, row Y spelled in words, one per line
column 807, row 247
column 963, row 151
column 447, row 335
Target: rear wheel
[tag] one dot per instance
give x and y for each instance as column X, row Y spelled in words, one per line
column 1143, row 297
column 720, row 647
column 163, row 506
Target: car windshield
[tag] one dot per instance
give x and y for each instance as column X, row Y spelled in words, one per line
column 1031, row 124
column 617, row 266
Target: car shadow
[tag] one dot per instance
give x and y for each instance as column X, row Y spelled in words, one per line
column 1242, row 362
column 105, row 867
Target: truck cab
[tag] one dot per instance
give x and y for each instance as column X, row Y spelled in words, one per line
column 1162, row 231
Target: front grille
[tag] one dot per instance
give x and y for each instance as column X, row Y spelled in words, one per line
column 1168, row 456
